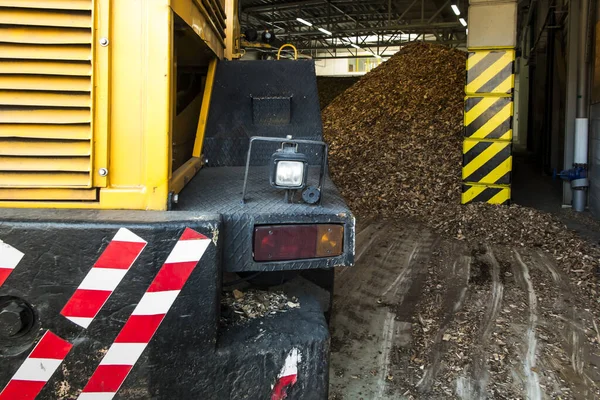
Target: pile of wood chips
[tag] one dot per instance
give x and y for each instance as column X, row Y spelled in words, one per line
column 395, row 142
column 395, row 136
column 331, row 87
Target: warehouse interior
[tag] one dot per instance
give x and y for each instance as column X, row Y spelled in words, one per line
column 300, row 199
column 444, row 301
column 348, row 38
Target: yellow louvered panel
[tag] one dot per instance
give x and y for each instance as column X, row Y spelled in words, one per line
column 71, row 52
column 44, row 179
column 50, row 4
column 46, row 99
column 39, row 17
column 40, row 131
column 45, row 35
column 53, row 83
column 45, row 115
column 77, row 164
column 44, row 148
column 34, row 67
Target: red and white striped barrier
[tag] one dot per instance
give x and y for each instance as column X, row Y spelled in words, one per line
column 104, row 277
column 37, row 368
column 146, row 318
column 288, row 375
column 9, row 258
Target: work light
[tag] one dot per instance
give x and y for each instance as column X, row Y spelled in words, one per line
column 289, row 168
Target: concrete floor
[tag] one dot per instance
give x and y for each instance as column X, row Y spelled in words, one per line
column 419, row 317
column 533, row 188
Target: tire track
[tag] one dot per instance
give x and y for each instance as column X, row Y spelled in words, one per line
column 575, row 335
column 474, row 386
column 366, row 326
column 532, row 380
column 461, row 272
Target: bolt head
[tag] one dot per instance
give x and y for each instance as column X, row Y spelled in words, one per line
column 103, row 42
column 12, row 319
column 103, row 172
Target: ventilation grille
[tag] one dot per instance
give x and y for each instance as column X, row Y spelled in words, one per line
column 45, row 94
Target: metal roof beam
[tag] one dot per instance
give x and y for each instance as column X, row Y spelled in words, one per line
column 380, row 29
column 282, row 6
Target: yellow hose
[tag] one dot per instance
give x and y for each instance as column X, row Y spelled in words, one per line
column 288, row 45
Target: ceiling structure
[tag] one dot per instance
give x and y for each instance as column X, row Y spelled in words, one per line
column 372, row 25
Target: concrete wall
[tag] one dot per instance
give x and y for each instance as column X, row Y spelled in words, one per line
column 521, row 106
column 339, row 66
column 334, row 67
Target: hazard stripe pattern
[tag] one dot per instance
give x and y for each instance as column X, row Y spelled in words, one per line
column 487, row 162
column 103, row 278
column 146, row 317
column 9, row 259
column 490, row 71
column 288, row 375
column 486, row 194
column 37, row 369
column 488, row 118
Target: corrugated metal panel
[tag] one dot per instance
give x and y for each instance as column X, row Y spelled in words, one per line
column 45, row 99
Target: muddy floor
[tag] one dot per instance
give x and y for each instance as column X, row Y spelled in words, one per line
column 420, row 317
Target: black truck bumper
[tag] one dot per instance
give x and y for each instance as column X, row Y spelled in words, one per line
column 144, row 330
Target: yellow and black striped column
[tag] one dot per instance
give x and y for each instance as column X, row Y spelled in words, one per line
column 487, row 146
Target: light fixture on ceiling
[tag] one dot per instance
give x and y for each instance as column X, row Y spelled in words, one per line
column 325, row 31
column 462, row 21
column 305, row 22
column 455, row 9
column 355, row 46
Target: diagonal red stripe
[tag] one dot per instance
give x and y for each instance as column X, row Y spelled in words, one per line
column 119, row 255
column 107, row 378
column 172, row 276
column 4, row 273
column 190, row 234
column 51, row 346
column 21, row 390
column 85, row 303
column 139, row 328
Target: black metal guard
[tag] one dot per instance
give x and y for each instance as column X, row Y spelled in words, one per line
column 290, row 141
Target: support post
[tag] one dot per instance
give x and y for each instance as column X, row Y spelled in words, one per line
column 487, row 146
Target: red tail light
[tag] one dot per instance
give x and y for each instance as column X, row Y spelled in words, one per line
column 296, row 242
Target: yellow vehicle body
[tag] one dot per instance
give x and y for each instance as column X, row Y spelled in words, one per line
column 89, row 103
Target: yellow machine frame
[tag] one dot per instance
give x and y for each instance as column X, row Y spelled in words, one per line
column 133, row 102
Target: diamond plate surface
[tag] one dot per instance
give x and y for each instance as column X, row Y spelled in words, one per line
column 219, row 191
column 232, row 120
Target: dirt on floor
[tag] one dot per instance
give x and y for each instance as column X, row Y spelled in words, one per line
column 425, row 317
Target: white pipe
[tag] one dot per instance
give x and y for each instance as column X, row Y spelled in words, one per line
column 581, row 141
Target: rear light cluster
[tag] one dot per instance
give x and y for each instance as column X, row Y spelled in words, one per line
column 297, row 242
